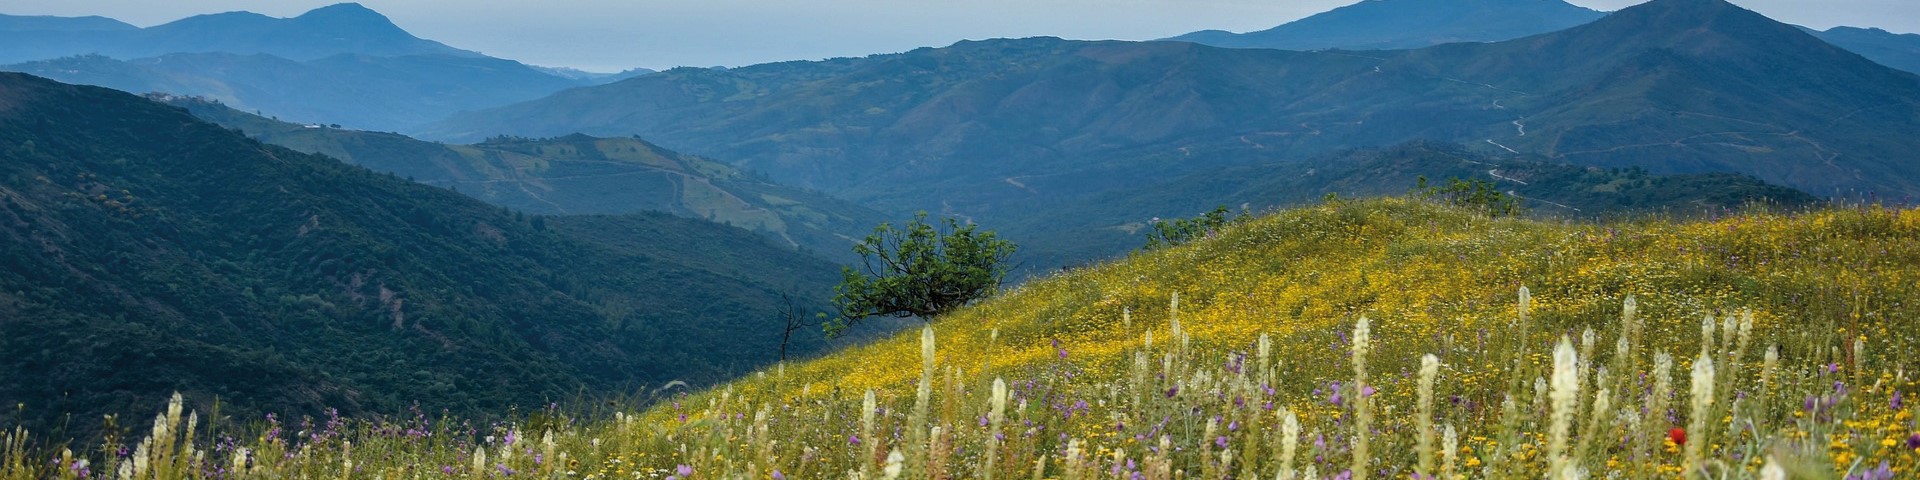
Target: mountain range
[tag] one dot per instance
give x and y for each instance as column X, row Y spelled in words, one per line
column 148, row 252
column 1400, row 24
column 1403, row 24
column 1671, row 86
column 346, row 28
column 576, row 175
column 343, row 64
column 1897, row 50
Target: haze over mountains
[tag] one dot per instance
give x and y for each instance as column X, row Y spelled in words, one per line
column 346, row 28
column 342, row 64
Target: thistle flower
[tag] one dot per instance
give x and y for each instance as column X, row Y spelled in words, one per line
column 1429, row 368
column 1702, row 409
column 1565, row 400
column 479, row 461
column 1706, row 335
column 1363, row 416
column 1289, row 442
column 1773, row 470
column 895, row 463
column 997, row 414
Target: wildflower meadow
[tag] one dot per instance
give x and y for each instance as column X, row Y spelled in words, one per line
column 1376, row 339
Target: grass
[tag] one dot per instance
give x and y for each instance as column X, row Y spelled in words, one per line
column 1372, row 339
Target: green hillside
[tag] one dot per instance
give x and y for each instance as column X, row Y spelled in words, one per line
column 576, row 175
column 1097, row 227
column 146, row 252
column 1369, row 339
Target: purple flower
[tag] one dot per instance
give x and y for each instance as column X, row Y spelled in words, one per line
column 853, row 439
column 1884, row 472
column 1367, row 391
column 1221, row 442
column 778, row 476
column 1913, row 442
column 1173, row 391
column 684, row 470
column 1897, row 402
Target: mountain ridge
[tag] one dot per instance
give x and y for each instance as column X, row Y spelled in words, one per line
column 576, row 175
column 1400, row 24
column 1656, row 86
column 148, row 252
column 345, row 28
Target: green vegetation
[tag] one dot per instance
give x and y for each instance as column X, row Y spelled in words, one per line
column 144, row 252
column 923, row 270
column 1084, row 230
column 1370, row 339
column 1167, row 233
column 576, row 175
column 1476, row 194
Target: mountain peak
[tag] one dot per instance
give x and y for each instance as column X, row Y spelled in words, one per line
column 1400, row 24
column 343, row 10
column 1712, row 28
column 346, row 14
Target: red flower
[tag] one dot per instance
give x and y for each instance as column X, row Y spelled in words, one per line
column 1678, row 436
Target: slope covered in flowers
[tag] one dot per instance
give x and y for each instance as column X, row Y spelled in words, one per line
column 1372, row 339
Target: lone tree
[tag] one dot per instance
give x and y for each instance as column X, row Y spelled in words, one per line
column 922, row 270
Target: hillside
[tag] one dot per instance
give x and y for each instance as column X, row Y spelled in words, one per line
column 1401, row 24
column 1100, row 226
column 363, row 91
column 576, row 175
column 1388, row 337
column 147, row 252
column 1897, row 50
column 346, row 28
column 1670, row 86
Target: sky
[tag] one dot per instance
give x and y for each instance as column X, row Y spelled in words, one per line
column 614, row 35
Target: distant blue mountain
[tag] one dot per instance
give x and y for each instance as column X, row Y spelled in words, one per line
column 1402, row 24
column 363, row 91
column 1897, row 50
column 346, row 28
column 341, row 64
column 13, row 23
column 1406, row 24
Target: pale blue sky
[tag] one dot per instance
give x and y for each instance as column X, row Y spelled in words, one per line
column 608, row 35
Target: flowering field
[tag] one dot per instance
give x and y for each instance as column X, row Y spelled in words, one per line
column 1372, row 339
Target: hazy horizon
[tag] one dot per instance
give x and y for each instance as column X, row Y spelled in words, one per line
column 607, row 36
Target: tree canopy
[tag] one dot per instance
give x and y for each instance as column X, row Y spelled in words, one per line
column 922, row 270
